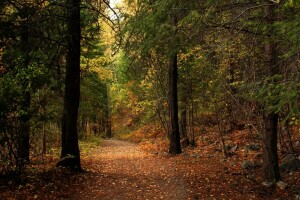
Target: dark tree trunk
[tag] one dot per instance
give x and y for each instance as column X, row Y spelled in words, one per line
column 270, row 155
column 108, row 114
column 23, row 146
column 175, row 147
column 269, row 140
column 43, row 113
column 70, row 155
column 183, row 121
column 24, row 135
column 183, row 118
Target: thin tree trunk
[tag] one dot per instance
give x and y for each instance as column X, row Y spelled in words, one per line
column 183, row 117
column 269, row 139
column 43, row 112
column 44, row 147
column 108, row 114
column 183, row 122
column 289, row 137
column 70, row 155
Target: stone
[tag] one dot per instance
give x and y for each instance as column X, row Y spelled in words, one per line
column 282, row 185
column 291, row 164
column 287, row 157
column 268, row 184
column 253, row 147
column 195, row 155
column 228, row 147
column 296, row 190
column 185, row 154
column 248, row 165
column 233, row 149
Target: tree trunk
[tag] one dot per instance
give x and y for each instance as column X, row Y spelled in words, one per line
column 23, row 143
column 270, row 155
column 183, row 117
column 24, row 135
column 175, row 147
column 108, row 114
column 70, row 155
column 43, row 113
column 269, row 139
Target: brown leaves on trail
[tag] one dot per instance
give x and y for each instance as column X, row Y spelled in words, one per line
column 122, row 170
column 131, row 173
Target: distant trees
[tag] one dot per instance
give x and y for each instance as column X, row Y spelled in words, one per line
column 158, row 39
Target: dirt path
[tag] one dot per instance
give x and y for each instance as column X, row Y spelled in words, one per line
column 119, row 170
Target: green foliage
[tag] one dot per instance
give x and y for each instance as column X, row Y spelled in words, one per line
column 279, row 95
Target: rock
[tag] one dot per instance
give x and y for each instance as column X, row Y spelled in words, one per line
column 287, row 157
column 233, row 149
column 195, row 155
column 185, row 154
column 296, row 190
column 282, row 185
column 297, row 144
column 291, row 164
column 268, row 184
column 297, row 197
column 248, row 165
column 228, row 147
column 253, row 147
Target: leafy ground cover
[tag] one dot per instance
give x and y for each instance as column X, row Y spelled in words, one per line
column 115, row 169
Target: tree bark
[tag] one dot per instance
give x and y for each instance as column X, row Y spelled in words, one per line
column 269, row 139
column 43, row 113
column 183, row 117
column 24, row 135
column 108, row 115
column 269, row 147
column 70, row 155
column 175, row 147
column 174, row 134
column 183, row 122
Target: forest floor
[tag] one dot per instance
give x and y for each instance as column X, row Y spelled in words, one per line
column 118, row 170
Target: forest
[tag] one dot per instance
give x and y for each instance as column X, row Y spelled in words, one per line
column 150, row 99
